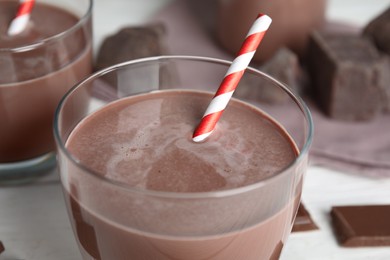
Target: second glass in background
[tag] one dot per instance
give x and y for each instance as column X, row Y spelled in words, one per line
column 37, row 67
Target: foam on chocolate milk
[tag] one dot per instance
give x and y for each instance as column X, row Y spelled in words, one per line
column 145, row 142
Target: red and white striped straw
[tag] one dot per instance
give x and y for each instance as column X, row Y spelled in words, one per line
column 232, row 77
column 22, row 17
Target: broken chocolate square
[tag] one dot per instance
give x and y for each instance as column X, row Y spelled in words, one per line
column 283, row 66
column 347, row 75
column 1, row 247
column 360, row 226
column 378, row 30
column 303, row 220
column 131, row 43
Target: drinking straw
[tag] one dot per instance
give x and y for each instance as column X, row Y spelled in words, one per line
column 232, row 77
column 19, row 23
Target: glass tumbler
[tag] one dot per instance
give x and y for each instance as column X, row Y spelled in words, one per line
column 37, row 67
column 112, row 220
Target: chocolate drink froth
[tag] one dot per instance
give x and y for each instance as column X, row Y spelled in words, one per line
column 33, row 80
column 158, row 140
column 145, row 142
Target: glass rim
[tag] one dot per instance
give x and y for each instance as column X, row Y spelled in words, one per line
column 48, row 40
column 186, row 195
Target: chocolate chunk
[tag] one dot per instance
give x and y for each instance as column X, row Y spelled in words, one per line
column 384, row 82
column 379, row 31
column 131, row 43
column 347, row 75
column 283, row 66
column 303, row 220
column 2, row 248
column 359, row 226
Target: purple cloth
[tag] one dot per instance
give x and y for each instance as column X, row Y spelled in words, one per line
column 351, row 147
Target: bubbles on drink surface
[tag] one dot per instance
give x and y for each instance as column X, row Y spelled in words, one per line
column 148, row 144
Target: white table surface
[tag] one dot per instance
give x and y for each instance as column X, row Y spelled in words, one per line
column 34, row 224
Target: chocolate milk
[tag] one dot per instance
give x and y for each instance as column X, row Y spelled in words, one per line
column 235, row 17
column 144, row 142
column 33, row 80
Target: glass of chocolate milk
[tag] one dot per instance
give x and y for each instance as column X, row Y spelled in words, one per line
column 137, row 187
column 37, row 67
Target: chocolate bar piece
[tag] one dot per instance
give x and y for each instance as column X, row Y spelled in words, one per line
column 131, row 43
column 379, row 31
column 360, row 226
column 1, row 247
column 385, row 79
column 347, row 75
column 283, row 66
column 303, row 220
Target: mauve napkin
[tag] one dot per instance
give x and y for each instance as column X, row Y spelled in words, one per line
column 351, row 147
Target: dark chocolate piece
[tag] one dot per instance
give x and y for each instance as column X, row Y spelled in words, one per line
column 347, row 75
column 384, row 81
column 378, row 30
column 283, row 66
column 303, row 220
column 131, row 43
column 134, row 43
column 359, row 226
column 2, row 248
